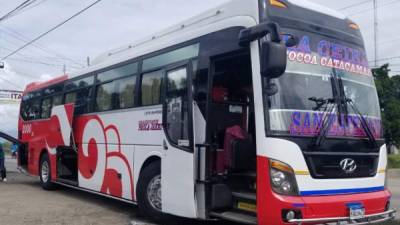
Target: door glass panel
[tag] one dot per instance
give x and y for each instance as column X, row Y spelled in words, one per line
column 177, row 107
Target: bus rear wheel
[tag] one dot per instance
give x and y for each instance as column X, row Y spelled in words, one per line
column 45, row 173
column 149, row 192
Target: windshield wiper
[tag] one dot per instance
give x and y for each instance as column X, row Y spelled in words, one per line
column 364, row 124
column 331, row 105
column 326, row 122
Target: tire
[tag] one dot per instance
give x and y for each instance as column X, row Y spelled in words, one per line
column 45, row 173
column 151, row 175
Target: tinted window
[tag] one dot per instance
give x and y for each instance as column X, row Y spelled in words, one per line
column 81, row 98
column 57, row 100
column 104, row 96
column 151, row 88
column 31, row 110
column 118, row 72
column 46, row 108
column 81, row 83
column 178, row 107
column 171, row 57
column 70, row 97
column 126, row 92
column 53, row 90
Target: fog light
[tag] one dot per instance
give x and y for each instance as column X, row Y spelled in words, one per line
column 290, row 215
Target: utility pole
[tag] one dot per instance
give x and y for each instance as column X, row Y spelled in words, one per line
column 88, row 61
column 376, row 32
column 64, row 69
column 1, row 62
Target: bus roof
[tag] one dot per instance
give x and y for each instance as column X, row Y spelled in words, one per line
column 181, row 32
column 38, row 85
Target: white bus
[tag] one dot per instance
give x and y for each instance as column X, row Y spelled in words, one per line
column 261, row 112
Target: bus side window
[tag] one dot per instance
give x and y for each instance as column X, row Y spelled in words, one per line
column 80, row 98
column 126, row 92
column 46, row 108
column 33, row 110
column 104, row 96
column 70, row 97
column 57, row 100
column 151, row 88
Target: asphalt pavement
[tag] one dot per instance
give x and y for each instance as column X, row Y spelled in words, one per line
column 22, row 201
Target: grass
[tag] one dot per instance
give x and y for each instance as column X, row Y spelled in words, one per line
column 394, row 161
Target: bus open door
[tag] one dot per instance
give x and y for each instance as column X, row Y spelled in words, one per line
column 22, row 153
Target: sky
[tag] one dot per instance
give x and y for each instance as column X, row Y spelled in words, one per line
column 110, row 24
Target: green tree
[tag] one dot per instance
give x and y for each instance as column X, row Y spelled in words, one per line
column 389, row 97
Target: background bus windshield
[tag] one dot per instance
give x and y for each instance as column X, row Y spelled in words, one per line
column 310, row 67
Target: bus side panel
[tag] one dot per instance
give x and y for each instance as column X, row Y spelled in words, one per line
column 44, row 136
column 106, row 148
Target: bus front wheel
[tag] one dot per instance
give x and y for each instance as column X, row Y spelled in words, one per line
column 45, row 173
column 149, row 192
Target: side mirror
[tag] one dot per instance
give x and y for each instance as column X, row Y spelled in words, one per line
column 273, row 59
column 273, row 51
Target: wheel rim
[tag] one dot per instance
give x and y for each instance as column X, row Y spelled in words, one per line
column 154, row 192
column 45, row 171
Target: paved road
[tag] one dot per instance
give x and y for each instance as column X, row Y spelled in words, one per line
column 22, row 201
column 394, row 185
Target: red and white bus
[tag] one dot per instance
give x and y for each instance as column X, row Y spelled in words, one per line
column 258, row 111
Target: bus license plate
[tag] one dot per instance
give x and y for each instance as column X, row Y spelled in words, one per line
column 357, row 212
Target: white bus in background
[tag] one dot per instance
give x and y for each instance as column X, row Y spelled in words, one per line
column 256, row 112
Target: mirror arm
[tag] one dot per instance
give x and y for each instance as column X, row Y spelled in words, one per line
column 257, row 32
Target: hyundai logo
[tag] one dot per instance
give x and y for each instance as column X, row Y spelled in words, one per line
column 348, row 165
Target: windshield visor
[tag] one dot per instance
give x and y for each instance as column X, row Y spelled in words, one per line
column 310, row 67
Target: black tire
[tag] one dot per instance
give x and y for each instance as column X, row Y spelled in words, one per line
column 45, row 183
column 146, row 208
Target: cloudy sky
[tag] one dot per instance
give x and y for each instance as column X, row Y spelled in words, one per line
column 112, row 23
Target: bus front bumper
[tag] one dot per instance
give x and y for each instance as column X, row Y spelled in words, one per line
column 368, row 219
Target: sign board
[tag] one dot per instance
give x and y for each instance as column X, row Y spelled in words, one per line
column 10, row 96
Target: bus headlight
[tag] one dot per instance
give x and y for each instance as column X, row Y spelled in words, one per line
column 283, row 180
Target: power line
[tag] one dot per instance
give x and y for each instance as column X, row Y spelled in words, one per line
column 386, row 59
column 36, row 59
column 34, row 6
column 355, row 5
column 10, row 82
column 41, row 62
column 52, row 29
column 370, row 9
column 389, row 41
column 24, row 39
column 18, row 9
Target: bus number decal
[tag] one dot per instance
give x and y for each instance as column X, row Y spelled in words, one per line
column 26, row 128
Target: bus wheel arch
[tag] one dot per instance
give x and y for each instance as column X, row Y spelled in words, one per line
column 45, row 171
column 148, row 192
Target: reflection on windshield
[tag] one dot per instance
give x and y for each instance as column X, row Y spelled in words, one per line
column 310, row 65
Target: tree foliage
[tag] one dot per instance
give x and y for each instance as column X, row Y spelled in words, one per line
column 389, row 97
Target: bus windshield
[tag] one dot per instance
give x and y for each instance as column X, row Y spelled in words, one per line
column 292, row 111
